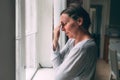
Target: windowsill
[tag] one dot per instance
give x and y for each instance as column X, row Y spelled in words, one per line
column 44, row 74
column 29, row 73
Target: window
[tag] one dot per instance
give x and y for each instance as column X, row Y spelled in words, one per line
column 26, row 35
column 20, row 57
column 34, row 27
column 30, row 33
column 34, row 21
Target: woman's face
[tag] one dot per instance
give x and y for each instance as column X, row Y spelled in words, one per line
column 69, row 26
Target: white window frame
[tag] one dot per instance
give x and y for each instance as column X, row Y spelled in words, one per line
column 20, row 57
column 26, row 30
column 28, row 36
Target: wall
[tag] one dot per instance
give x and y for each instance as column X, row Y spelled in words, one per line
column 115, row 12
column 114, row 43
column 115, row 20
column 7, row 39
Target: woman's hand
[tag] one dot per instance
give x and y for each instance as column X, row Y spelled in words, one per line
column 56, row 36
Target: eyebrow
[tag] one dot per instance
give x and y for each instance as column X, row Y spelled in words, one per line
column 62, row 23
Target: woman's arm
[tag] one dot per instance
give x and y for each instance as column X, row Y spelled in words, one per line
column 56, row 36
column 58, row 55
column 77, row 63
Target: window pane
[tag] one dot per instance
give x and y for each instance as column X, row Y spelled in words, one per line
column 31, row 51
column 31, row 25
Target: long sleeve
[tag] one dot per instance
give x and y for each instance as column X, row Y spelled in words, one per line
column 80, row 61
column 57, row 55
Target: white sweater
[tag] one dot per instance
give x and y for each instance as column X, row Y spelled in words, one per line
column 75, row 62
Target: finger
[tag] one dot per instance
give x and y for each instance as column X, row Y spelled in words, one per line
column 59, row 25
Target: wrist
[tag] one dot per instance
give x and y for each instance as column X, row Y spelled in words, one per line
column 55, row 44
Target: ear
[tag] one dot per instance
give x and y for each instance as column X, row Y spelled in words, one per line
column 80, row 21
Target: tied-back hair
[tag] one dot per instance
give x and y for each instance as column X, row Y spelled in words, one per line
column 75, row 11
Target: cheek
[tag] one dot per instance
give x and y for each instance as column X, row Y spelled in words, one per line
column 68, row 28
column 72, row 27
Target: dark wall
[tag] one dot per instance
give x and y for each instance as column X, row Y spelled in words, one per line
column 115, row 12
column 7, row 39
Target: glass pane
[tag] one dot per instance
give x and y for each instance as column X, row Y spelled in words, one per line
column 31, row 51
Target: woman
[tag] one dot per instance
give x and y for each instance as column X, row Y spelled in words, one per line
column 77, row 59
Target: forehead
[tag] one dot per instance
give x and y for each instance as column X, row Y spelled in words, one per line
column 64, row 18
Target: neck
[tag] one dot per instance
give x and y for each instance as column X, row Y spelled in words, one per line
column 81, row 37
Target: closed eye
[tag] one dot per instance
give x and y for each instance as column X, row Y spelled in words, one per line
column 63, row 24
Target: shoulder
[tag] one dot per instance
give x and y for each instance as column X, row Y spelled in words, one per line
column 90, row 44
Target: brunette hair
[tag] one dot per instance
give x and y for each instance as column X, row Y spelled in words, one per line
column 75, row 11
